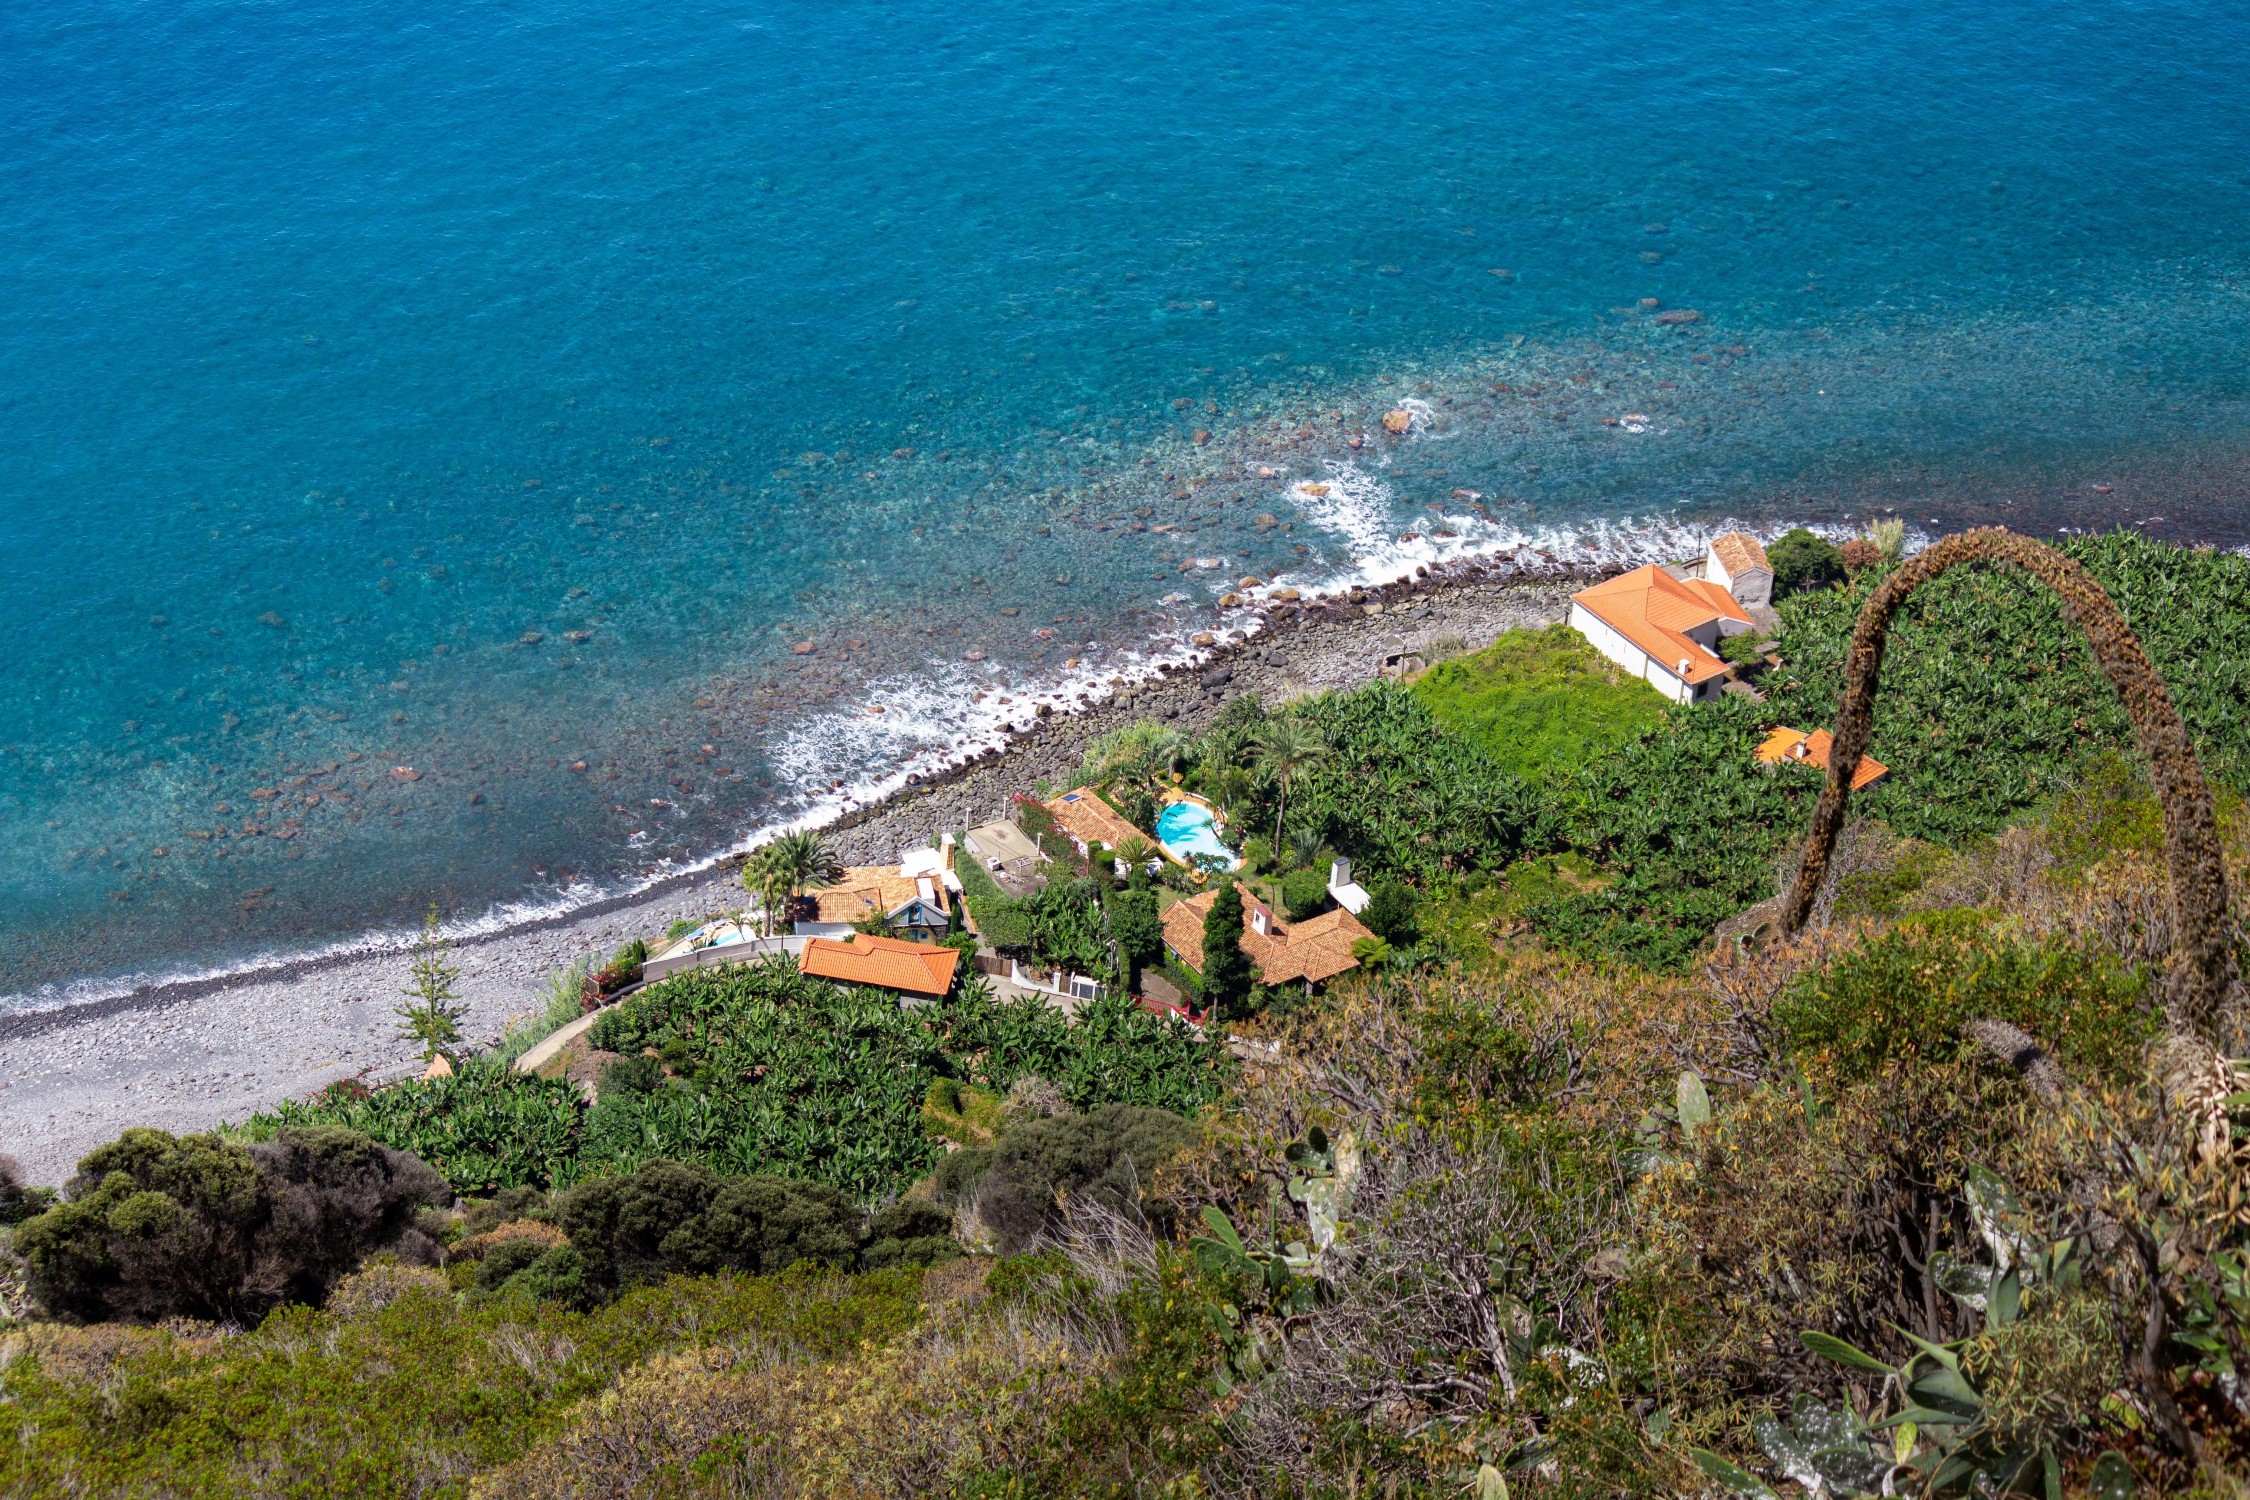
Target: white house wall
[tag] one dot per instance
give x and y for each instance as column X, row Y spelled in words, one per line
column 1627, row 655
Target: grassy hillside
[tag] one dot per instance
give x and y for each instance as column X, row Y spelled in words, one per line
column 1542, row 703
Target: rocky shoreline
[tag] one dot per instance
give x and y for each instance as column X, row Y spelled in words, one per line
column 189, row 1055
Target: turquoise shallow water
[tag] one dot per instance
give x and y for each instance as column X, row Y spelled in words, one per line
column 491, row 391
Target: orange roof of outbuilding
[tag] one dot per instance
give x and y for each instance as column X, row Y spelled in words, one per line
column 885, row 963
column 1083, row 815
column 1740, row 553
column 1812, row 750
column 1654, row 610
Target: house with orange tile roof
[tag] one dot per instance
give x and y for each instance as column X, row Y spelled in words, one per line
column 1796, row 747
column 916, row 897
column 1663, row 629
column 1306, row 952
column 1089, row 820
column 882, row 963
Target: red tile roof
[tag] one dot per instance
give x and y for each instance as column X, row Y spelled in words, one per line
column 1088, row 819
column 1812, row 750
column 868, row 891
column 1739, row 553
column 1312, row 950
column 885, row 963
column 1653, row 610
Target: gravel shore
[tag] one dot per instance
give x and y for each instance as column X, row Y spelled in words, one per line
column 190, row 1056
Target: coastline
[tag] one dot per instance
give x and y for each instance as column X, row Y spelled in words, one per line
column 192, row 1053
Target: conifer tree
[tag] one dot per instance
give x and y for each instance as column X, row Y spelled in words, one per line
column 432, row 1012
column 1226, row 968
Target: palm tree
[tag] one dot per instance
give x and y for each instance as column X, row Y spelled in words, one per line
column 1286, row 747
column 792, row 863
column 758, row 878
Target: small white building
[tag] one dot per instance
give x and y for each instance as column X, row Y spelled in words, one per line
column 1345, row 891
column 1737, row 563
column 1667, row 630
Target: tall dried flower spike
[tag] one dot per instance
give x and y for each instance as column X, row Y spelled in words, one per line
column 2202, row 979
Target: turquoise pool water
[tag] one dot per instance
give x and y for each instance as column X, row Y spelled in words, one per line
column 1187, row 829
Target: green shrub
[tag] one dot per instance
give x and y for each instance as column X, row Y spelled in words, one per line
column 1909, row 992
column 1000, row 917
column 638, row 1074
column 909, row 1233
column 1107, row 1155
column 1741, row 648
column 1390, row 911
column 398, row 1388
column 157, row 1226
column 962, row 1112
column 19, row 1202
column 666, row 1219
column 1304, row 893
column 1802, row 561
column 1135, row 926
column 1540, row 702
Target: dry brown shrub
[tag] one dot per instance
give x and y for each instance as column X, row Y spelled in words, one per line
column 1533, row 1031
column 968, row 1390
column 1336, row 1065
column 379, row 1283
column 478, row 1246
column 1783, row 1218
column 1459, row 1249
column 82, row 1356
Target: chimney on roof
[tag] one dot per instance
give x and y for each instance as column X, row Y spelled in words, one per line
column 1258, row 920
column 1683, row 666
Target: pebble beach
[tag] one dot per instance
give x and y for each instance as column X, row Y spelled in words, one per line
column 196, row 1054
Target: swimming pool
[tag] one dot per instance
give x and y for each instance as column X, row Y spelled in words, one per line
column 1187, row 830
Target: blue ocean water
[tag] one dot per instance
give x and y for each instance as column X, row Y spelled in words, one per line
column 485, row 453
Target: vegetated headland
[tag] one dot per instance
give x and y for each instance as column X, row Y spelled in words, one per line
column 1382, row 1062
